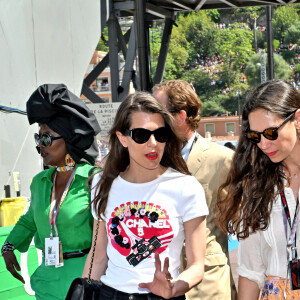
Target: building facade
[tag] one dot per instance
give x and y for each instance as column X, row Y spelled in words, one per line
column 225, row 126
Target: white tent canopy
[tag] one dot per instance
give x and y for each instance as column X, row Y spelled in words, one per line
column 41, row 41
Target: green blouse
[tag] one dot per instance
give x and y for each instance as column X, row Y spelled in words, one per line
column 74, row 223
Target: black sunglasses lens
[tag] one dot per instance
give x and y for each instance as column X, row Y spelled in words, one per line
column 161, row 134
column 270, row 134
column 45, row 139
column 141, row 135
column 253, row 137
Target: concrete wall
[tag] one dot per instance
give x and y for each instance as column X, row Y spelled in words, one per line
column 41, row 41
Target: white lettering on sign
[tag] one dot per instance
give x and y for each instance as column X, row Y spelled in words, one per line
column 105, row 114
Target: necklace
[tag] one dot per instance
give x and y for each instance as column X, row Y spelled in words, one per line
column 289, row 178
column 64, row 168
column 293, row 176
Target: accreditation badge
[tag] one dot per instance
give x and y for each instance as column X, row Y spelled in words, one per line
column 61, row 260
column 52, row 251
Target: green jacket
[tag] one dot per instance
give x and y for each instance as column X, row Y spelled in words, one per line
column 74, row 223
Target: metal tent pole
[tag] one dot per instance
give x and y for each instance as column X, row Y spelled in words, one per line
column 143, row 59
column 270, row 42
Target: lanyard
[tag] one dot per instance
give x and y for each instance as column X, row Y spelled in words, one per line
column 54, row 208
column 293, row 226
column 291, row 241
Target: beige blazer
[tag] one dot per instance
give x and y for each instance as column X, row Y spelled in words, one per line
column 210, row 163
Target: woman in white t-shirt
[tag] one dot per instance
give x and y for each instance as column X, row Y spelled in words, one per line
column 148, row 205
column 263, row 193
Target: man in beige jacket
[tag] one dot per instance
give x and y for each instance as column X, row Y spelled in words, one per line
column 210, row 164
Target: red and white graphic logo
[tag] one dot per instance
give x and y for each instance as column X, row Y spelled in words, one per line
column 137, row 229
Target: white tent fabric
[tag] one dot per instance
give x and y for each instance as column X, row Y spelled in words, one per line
column 41, row 41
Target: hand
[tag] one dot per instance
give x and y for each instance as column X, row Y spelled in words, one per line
column 12, row 265
column 161, row 284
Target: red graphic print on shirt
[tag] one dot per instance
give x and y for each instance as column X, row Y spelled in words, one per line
column 138, row 229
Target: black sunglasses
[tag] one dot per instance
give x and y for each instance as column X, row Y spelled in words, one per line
column 270, row 133
column 45, row 139
column 142, row 135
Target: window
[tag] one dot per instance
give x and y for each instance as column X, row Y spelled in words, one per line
column 230, row 126
column 102, row 84
column 209, row 127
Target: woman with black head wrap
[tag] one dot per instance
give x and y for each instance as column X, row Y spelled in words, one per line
column 57, row 216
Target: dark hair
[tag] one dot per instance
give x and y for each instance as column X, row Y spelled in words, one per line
column 118, row 156
column 181, row 96
column 254, row 180
column 229, row 145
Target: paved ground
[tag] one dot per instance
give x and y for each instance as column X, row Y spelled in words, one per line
column 233, row 264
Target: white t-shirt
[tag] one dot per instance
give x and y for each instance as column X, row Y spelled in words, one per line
column 264, row 252
column 142, row 218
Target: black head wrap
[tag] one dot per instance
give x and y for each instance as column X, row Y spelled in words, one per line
column 66, row 114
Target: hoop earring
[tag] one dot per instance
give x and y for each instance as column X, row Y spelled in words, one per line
column 70, row 162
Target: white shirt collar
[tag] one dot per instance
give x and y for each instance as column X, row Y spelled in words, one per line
column 187, row 148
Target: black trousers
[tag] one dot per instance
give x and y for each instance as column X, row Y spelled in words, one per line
column 108, row 293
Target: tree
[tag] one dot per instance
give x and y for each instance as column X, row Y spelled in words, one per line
column 103, row 42
column 213, row 14
column 201, row 82
column 253, row 69
column 284, row 18
column 276, row 44
column 297, row 69
column 201, row 34
column 177, row 55
column 261, row 39
column 211, row 108
column 155, row 43
column 289, row 56
column 253, row 13
column 236, row 47
column 230, row 102
column 293, row 34
column 297, row 72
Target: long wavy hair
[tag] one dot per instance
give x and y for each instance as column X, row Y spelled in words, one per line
column 254, row 180
column 118, row 156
